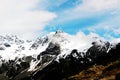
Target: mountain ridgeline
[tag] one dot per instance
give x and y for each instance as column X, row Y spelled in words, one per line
column 53, row 57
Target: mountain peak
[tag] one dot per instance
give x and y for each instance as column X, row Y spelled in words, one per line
column 59, row 31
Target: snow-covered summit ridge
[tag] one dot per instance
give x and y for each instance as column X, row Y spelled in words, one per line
column 79, row 41
column 11, row 46
column 11, row 39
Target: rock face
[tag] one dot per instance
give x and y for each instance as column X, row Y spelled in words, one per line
column 55, row 60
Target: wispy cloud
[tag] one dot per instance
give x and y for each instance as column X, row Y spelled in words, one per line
column 87, row 8
column 110, row 28
column 106, row 13
column 98, row 6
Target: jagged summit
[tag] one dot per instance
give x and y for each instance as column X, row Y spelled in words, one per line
column 11, row 46
column 59, row 31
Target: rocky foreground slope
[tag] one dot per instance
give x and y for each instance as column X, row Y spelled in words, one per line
column 57, row 56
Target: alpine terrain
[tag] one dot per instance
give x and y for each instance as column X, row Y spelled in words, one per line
column 59, row 56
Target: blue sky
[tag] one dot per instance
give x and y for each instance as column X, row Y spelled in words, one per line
column 86, row 16
column 31, row 18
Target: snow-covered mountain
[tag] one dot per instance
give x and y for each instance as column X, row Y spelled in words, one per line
column 29, row 59
column 11, row 46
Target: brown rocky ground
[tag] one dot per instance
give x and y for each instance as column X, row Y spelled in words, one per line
column 99, row 72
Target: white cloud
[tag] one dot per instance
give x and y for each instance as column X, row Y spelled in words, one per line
column 90, row 8
column 98, row 6
column 21, row 17
column 109, row 28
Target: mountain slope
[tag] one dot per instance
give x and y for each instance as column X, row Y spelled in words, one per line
column 99, row 72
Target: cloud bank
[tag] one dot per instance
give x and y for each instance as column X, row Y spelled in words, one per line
column 22, row 17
